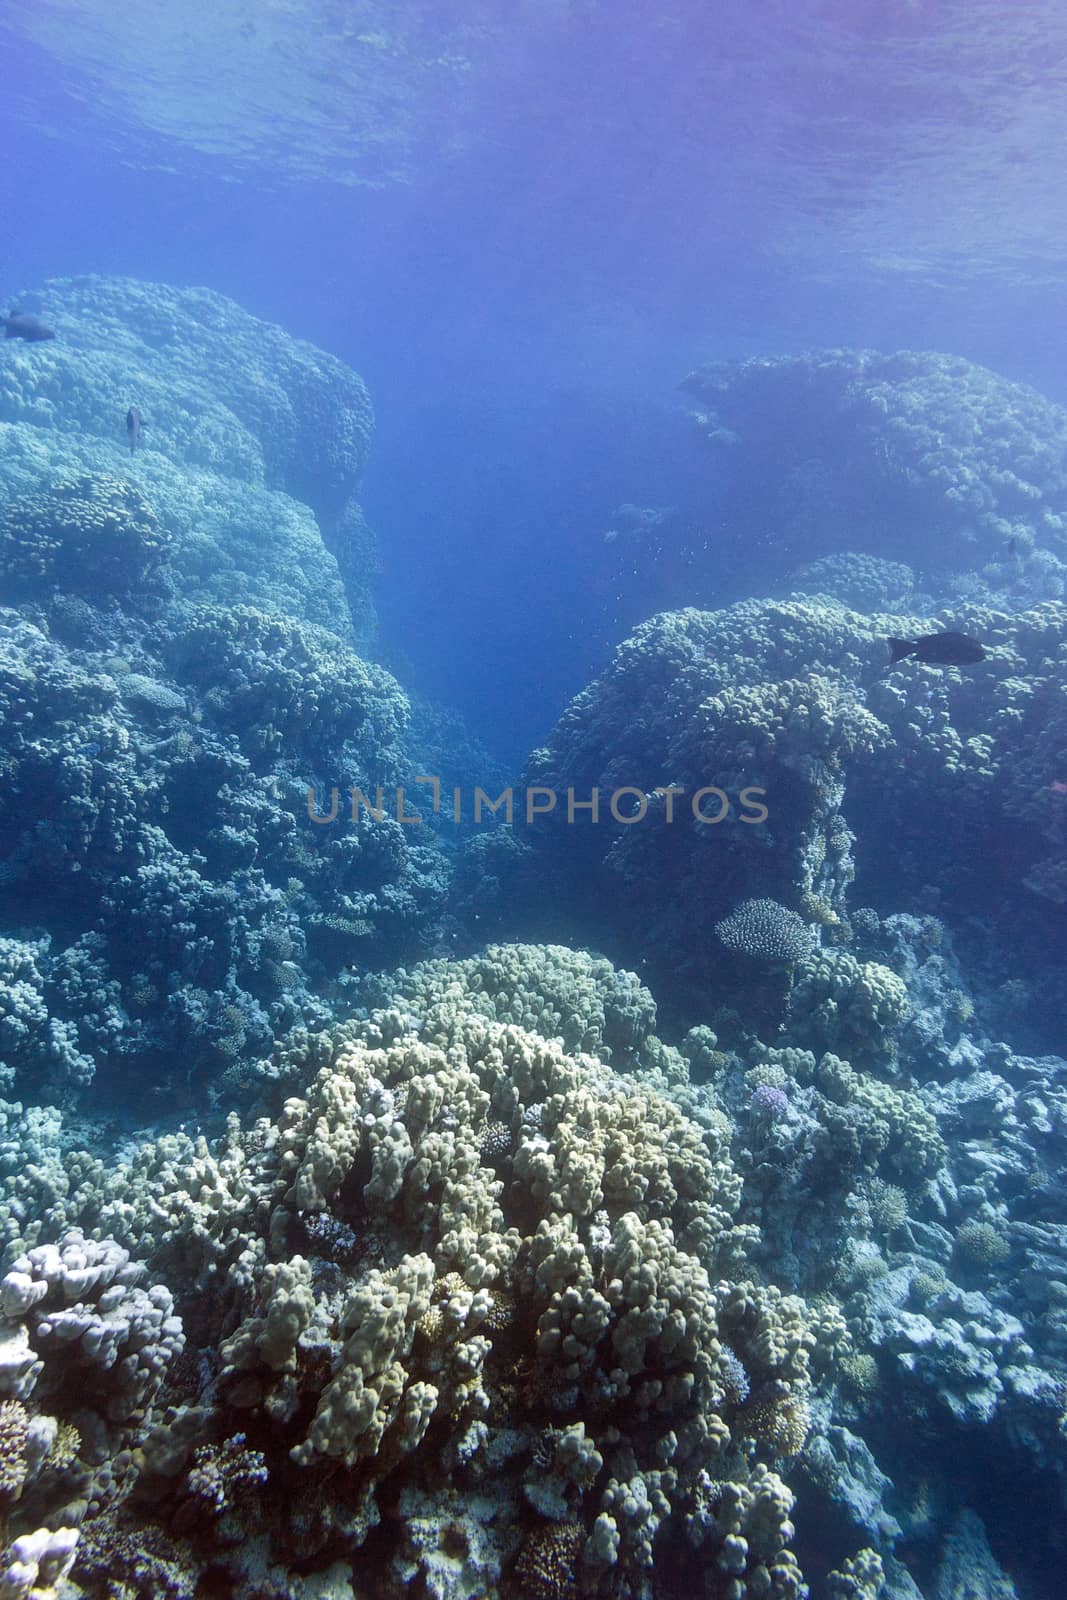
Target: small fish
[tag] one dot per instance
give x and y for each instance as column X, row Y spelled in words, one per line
column 1058, row 786
column 23, row 325
column 938, row 649
column 134, row 425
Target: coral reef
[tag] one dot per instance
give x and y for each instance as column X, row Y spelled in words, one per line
column 881, row 444
column 427, row 1281
column 254, row 444
column 558, row 1315
column 179, row 689
column 156, row 836
column 455, row 1277
column 786, row 718
column 861, row 582
column 94, row 536
column 279, row 685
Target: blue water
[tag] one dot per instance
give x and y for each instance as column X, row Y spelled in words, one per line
column 524, row 227
column 601, row 198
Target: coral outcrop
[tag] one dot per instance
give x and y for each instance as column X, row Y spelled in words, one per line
column 462, row 1269
column 180, row 693
column 882, row 444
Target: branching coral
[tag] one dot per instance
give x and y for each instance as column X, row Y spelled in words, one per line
column 763, row 930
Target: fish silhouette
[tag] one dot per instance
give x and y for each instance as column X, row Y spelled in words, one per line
column 939, row 649
column 24, row 325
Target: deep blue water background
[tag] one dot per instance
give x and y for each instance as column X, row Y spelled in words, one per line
column 523, row 310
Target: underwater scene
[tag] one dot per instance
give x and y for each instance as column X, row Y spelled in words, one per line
column 533, row 800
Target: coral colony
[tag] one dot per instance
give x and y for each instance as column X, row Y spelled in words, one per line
column 427, row 1255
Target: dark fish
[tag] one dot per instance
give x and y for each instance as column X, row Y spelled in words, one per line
column 23, row 325
column 133, row 427
column 939, row 649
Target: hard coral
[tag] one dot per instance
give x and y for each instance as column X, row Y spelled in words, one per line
column 763, row 930
column 81, row 1338
column 546, row 1566
column 279, row 684
column 541, row 1314
column 94, row 535
column 220, row 1472
column 14, row 1439
column 34, row 1565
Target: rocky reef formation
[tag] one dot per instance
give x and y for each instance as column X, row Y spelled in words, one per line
column 179, row 688
column 478, row 1285
column 946, row 443
column 884, row 453
column 468, row 1307
column 733, row 754
column 470, row 1310
column 252, row 449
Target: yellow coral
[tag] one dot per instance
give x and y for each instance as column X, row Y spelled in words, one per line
column 545, row 1568
column 981, row 1244
column 861, row 1577
column 65, row 1446
column 781, row 1425
column 14, row 1437
column 860, row 1372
